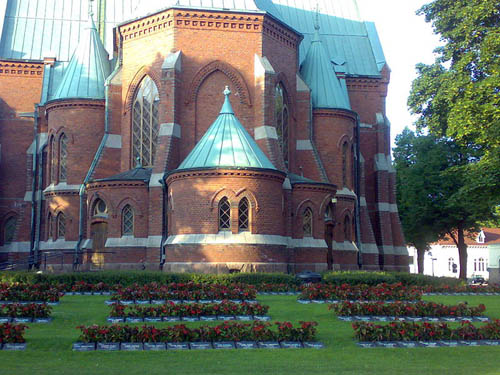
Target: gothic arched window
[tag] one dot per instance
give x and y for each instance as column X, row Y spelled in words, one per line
column 63, row 158
column 9, row 230
column 243, row 215
column 224, row 214
column 347, row 229
column 307, row 222
column 145, row 123
column 127, row 221
column 53, row 160
column 344, row 163
column 50, row 229
column 61, row 226
column 282, row 117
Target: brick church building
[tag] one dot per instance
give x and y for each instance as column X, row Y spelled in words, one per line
column 195, row 135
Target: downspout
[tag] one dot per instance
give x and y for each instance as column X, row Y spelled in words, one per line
column 97, row 157
column 164, row 228
column 313, row 145
column 357, row 191
column 34, row 190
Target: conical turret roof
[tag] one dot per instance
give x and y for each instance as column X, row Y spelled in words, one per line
column 226, row 144
column 318, row 73
column 88, row 68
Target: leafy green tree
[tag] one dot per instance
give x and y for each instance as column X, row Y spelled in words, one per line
column 432, row 192
column 459, row 95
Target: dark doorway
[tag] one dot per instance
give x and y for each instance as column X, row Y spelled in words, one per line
column 99, row 235
column 329, row 242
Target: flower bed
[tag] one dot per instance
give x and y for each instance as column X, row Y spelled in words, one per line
column 381, row 292
column 462, row 289
column 12, row 336
column 280, row 289
column 28, row 292
column 25, row 313
column 227, row 332
column 185, row 292
column 170, row 309
column 406, row 331
column 404, row 309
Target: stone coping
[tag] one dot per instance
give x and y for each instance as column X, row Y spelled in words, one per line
column 329, row 301
column 462, row 294
column 243, row 318
column 24, row 320
column 13, row 347
column 29, row 303
column 359, row 318
column 162, row 301
column 85, row 347
column 427, row 344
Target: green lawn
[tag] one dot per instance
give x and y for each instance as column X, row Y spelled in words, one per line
column 49, row 348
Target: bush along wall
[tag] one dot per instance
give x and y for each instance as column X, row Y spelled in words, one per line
column 375, row 278
column 406, row 334
column 224, row 336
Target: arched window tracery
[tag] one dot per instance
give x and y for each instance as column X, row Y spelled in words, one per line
column 61, row 226
column 307, row 222
column 282, row 120
column 9, row 230
column 145, row 122
column 128, row 221
column 224, row 214
column 63, row 158
column 243, row 215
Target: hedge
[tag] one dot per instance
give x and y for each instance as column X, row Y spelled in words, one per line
column 127, row 278
column 375, row 278
column 144, row 277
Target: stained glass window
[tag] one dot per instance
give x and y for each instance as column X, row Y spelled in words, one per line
column 281, row 114
column 53, row 160
column 145, row 123
column 61, row 226
column 224, row 214
column 243, row 214
column 50, row 233
column 344, row 163
column 127, row 221
column 9, row 230
column 307, row 222
column 63, row 158
column 347, row 229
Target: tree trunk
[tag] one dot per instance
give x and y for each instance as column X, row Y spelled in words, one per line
column 420, row 259
column 462, row 253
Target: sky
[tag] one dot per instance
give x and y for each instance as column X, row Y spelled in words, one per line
column 406, row 40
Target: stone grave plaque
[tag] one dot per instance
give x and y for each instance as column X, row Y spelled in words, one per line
column 84, row 346
column 224, row 345
column 134, row 319
column 291, row 345
column 153, row 319
column 88, row 293
column 21, row 320
column 142, row 302
column 177, row 346
column 158, row 302
column 200, row 345
column 14, row 346
column 262, row 318
column 115, row 320
column 171, row 318
column 131, row 346
column 190, row 319
column 246, row 345
column 208, row 318
column 108, row 346
column 42, row 320
column 226, row 317
column 155, row 346
column 313, row 345
column 244, row 317
column 269, row 345
column 4, row 320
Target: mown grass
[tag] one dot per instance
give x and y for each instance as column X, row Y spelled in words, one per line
column 49, row 348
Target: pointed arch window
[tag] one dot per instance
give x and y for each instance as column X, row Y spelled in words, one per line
column 61, row 226
column 345, row 147
column 127, row 221
column 307, row 222
column 145, row 123
column 53, row 160
column 63, row 158
column 9, row 230
column 50, row 228
column 224, row 214
column 243, row 215
column 347, row 229
column 282, row 118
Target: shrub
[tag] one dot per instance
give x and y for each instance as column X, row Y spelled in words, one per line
column 374, row 278
column 12, row 333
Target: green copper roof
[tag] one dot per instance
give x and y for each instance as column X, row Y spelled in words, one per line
column 318, row 73
column 88, row 69
column 226, row 144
